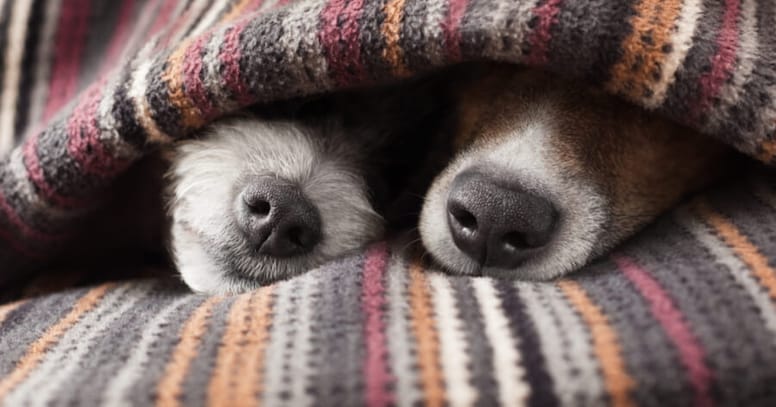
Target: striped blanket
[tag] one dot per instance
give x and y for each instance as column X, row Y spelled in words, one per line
column 683, row 314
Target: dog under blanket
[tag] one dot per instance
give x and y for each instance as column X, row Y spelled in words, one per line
column 682, row 314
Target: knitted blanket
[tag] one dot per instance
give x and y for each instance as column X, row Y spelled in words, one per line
column 683, row 314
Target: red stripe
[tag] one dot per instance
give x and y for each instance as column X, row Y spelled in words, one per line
column 723, row 62
column 83, row 141
column 451, row 28
column 192, row 78
column 230, row 58
column 119, row 38
column 339, row 37
column 71, row 38
column 378, row 377
column 35, row 171
column 673, row 322
column 539, row 39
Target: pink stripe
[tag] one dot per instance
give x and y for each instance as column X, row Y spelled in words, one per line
column 451, row 28
column 163, row 16
column 378, row 377
column 230, row 58
column 119, row 39
column 26, row 229
column 339, row 37
column 722, row 63
column 35, row 171
column 671, row 319
column 539, row 40
column 192, row 78
column 71, row 34
column 83, row 141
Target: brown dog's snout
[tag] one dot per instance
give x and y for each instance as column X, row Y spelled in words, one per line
column 497, row 224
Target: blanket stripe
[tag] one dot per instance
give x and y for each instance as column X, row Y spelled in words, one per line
column 380, row 328
column 154, row 71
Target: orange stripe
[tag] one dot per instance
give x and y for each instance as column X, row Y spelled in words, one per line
column 768, row 151
column 9, row 308
column 190, row 115
column 237, row 375
column 250, row 383
column 38, row 349
column 605, row 344
column 426, row 334
column 741, row 246
column 639, row 69
column 170, row 387
column 391, row 30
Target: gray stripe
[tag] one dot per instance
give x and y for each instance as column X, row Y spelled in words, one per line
column 717, row 310
column 60, row 360
column 139, row 349
column 725, row 256
column 566, row 345
column 645, row 351
column 142, row 391
column 339, row 378
column 303, row 345
column 30, row 322
column 200, row 372
column 280, row 350
column 401, row 346
column 478, row 346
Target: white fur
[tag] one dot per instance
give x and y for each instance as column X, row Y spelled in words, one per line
column 208, row 174
column 526, row 156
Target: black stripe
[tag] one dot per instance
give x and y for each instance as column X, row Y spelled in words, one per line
column 28, row 64
column 478, row 346
column 522, row 327
column 587, row 47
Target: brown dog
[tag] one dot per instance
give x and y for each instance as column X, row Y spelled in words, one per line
column 550, row 174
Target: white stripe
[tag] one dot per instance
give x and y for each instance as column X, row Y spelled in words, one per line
column 43, row 62
column 452, row 343
column 283, row 328
column 400, row 345
column 14, row 53
column 303, row 348
column 681, row 42
column 109, row 131
column 509, row 372
column 210, row 18
column 137, row 89
column 565, row 345
column 116, row 390
column 212, row 67
column 724, row 255
column 62, row 361
column 519, row 12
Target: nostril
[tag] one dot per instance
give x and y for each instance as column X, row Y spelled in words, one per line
column 515, row 241
column 259, row 207
column 465, row 219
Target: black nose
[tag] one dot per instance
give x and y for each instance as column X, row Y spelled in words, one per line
column 497, row 224
column 277, row 219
